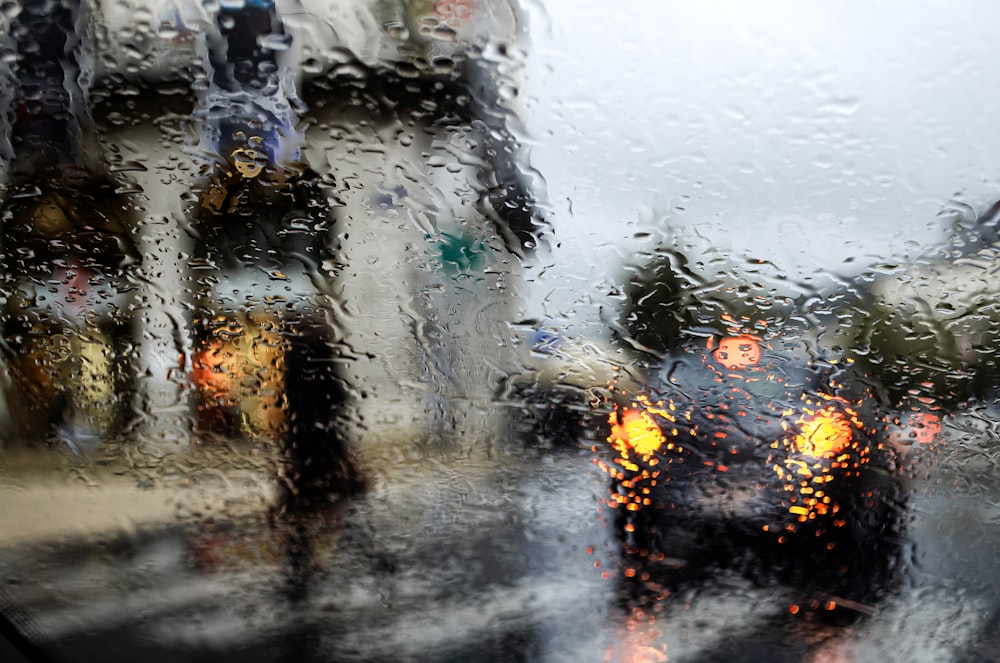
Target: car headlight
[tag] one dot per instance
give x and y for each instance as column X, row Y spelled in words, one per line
column 828, row 442
column 634, row 430
column 824, row 433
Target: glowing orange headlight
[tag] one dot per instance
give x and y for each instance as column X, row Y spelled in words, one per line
column 824, row 434
column 635, row 430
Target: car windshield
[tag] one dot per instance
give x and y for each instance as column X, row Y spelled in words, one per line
column 508, row 330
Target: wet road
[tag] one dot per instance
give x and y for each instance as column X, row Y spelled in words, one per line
column 503, row 554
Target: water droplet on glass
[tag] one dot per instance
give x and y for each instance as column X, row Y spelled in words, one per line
column 276, row 42
column 563, row 320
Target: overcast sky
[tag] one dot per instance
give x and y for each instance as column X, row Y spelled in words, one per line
column 809, row 134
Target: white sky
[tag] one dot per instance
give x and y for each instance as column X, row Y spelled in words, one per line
column 805, row 133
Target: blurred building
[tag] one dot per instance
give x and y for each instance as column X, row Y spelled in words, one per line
column 338, row 188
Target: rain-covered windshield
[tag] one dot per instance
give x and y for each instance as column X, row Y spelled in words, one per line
column 468, row 330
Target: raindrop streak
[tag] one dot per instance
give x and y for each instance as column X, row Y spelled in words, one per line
column 846, row 106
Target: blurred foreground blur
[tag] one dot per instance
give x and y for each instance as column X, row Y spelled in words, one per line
column 275, row 388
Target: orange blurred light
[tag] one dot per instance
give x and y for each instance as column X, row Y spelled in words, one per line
column 923, row 427
column 824, row 434
column 640, row 641
column 926, row 427
column 920, row 428
column 239, row 375
column 209, row 371
column 737, row 352
column 635, row 430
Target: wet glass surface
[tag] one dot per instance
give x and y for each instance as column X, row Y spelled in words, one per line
column 446, row 330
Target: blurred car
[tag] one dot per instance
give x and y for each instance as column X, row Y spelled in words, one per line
column 760, row 458
column 756, row 445
column 563, row 385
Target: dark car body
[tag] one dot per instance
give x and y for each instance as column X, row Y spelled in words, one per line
column 761, row 459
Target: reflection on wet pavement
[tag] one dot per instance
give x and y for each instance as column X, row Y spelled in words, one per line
column 502, row 558
column 497, row 550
